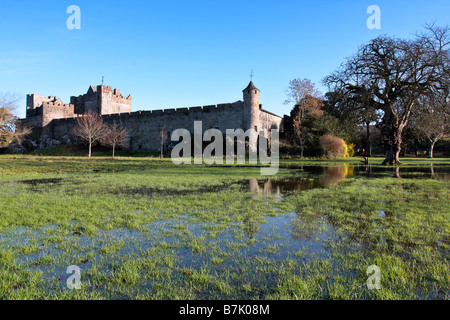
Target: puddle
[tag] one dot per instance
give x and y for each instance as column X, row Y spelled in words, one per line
column 167, row 192
column 276, row 238
column 321, row 177
column 37, row 182
column 240, row 245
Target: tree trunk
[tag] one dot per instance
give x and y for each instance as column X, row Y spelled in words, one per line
column 369, row 144
column 392, row 132
column 392, row 155
column 430, row 152
column 90, row 149
column 389, row 159
column 397, row 173
column 114, row 150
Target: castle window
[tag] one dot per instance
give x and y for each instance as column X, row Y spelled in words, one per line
column 256, row 128
column 256, row 91
column 248, row 91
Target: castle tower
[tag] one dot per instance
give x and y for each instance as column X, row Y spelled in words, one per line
column 251, row 106
column 251, row 113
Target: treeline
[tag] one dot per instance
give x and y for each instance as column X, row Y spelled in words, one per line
column 392, row 94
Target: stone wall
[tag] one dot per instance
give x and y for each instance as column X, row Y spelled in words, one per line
column 55, row 120
column 144, row 126
column 113, row 102
column 56, row 110
column 268, row 120
column 35, row 102
column 102, row 100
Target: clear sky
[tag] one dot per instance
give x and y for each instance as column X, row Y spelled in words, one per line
column 170, row 54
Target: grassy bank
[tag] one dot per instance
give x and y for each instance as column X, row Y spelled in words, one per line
column 143, row 228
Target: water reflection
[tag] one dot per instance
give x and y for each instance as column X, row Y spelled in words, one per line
column 277, row 187
column 323, row 176
column 251, row 226
column 316, row 177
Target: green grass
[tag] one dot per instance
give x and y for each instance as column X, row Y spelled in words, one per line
column 143, row 228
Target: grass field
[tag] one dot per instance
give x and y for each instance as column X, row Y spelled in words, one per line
column 144, row 228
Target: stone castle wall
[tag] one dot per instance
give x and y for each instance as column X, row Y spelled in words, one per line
column 113, row 102
column 144, row 126
column 102, row 100
column 58, row 121
column 52, row 110
column 268, row 120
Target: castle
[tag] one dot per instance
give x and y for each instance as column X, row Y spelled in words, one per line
column 49, row 117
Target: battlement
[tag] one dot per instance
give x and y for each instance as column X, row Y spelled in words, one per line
column 207, row 108
column 49, row 106
column 56, row 104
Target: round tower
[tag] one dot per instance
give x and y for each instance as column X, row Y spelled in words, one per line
column 251, row 107
column 251, row 114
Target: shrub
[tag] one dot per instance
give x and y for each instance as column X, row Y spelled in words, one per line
column 333, row 146
column 350, row 150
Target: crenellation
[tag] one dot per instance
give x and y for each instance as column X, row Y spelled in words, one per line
column 209, row 108
column 224, row 106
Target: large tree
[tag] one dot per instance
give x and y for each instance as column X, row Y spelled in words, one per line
column 307, row 103
column 90, row 128
column 354, row 112
column 393, row 74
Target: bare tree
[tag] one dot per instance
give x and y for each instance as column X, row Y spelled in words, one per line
column 90, row 128
column 307, row 102
column 8, row 106
column 162, row 138
column 20, row 133
column 117, row 136
column 433, row 118
column 394, row 74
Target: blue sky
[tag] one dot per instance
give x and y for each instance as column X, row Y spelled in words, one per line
column 170, row 54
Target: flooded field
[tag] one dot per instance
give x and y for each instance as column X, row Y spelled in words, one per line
column 311, row 232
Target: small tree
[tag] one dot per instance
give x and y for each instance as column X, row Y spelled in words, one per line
column 117, row 136
column 433, row 120
column 20, row 133
column 90, row 128
column 307, row 103
column 8, row 105
column 163, row 135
